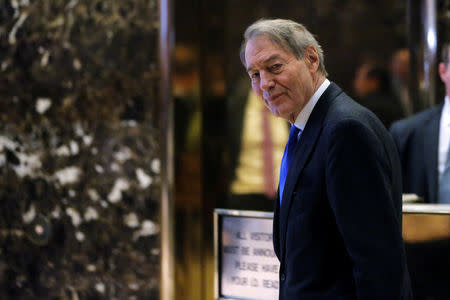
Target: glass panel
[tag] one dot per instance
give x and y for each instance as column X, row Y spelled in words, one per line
column 360, row 40
column 355, row 35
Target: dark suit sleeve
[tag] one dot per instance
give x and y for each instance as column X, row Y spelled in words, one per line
column 366, row 207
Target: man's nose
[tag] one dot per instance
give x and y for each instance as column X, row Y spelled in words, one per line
column 266, row 82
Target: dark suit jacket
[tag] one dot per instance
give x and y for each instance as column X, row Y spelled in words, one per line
column 338, row 232
column 417, row 140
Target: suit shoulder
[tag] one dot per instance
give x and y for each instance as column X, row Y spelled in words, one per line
column 345, row 109
column 416, row 121
column 405, row 130
column 342, row 109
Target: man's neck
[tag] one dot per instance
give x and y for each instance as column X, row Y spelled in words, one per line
column 318, row 79
column 303, row 115
column 318, row 82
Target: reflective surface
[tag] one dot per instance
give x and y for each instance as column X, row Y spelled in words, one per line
column 249, row 267
column 427, row 241
column 208, row 74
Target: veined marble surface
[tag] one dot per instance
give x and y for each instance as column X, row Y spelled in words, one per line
column 79, row 150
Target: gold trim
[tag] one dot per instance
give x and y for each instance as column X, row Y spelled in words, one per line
column 433, row 209
column 167, row 273
column 216, row 253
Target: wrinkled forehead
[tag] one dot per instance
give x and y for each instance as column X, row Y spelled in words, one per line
column 275, row 41
column 262, row 50
column 263, row 43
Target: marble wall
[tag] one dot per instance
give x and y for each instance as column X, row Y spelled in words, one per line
column 79, row 149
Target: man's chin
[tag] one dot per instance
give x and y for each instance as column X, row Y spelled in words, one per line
column 274, row 111
column 280, row 114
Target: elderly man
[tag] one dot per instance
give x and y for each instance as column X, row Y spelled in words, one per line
column 337, row 223
column 423, row 143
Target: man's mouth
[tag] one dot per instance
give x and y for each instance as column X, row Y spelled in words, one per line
column 274, row 97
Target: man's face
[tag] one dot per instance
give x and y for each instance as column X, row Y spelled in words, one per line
column 284, row 82
column 444, row 73
column 363, row 84
column 400, row 65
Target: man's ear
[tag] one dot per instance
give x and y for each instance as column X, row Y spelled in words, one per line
column 442, row 70
column 312, row 58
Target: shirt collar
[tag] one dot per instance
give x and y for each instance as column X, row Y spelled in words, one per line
column 446, row 108
column 445, row 115
column 303, row 116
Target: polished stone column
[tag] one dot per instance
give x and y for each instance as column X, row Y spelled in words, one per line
column 80, row 150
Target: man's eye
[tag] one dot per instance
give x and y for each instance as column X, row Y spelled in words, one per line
column 254, row 76
column 275, row 67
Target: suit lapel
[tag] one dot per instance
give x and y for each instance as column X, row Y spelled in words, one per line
column 303, row 150
column 430, row 152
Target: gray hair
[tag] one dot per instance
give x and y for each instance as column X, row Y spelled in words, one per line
column 291, row 36
column 445, row 53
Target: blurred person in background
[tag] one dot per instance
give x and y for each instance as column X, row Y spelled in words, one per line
column 372, row 88
column 399, row 71
column 423, row 144
column 256, row 140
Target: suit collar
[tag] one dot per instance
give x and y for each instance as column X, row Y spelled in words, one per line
column 302, row 152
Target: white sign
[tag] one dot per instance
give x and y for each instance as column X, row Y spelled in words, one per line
column 249, row 264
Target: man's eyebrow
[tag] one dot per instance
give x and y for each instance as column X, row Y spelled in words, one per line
column 273, row 57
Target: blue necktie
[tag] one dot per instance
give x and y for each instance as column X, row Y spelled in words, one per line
column 287, row 156
column 444, row 184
